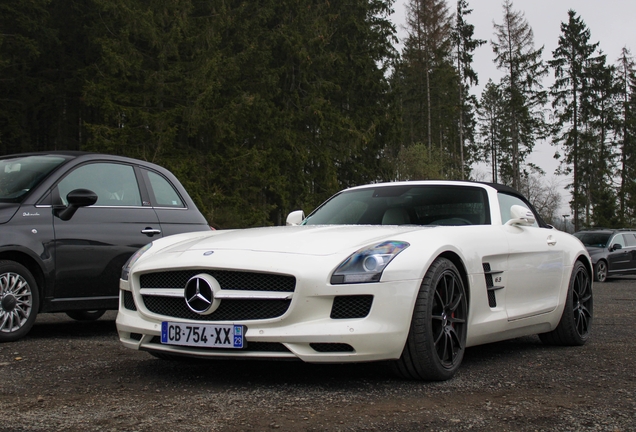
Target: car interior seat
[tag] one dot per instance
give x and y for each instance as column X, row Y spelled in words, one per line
column 396, row 216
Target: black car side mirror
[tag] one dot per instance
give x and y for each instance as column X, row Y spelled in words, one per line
column 615, row 247
column 76, row 198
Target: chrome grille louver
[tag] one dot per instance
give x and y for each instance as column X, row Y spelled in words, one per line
column 252, row 296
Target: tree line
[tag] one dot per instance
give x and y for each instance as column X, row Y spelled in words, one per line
column 263, row 107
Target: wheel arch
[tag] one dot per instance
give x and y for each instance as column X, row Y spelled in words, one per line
column 32, row 265
column 461, row 268
column 588, row 264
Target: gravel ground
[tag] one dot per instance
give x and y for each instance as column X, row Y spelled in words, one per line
column 70, row 376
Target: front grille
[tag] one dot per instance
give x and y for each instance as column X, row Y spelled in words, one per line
column 331, row 347
column 249, row 347
column 355, row 306
column 230, row 280
column 229, row 310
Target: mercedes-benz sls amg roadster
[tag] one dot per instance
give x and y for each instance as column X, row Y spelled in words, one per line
column 411, row 273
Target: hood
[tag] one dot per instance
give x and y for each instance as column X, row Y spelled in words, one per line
column 306, row 240
column 596, row 251
column 7, row 210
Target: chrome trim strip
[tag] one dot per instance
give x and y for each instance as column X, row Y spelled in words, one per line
column 222, row 294
column 162, row 292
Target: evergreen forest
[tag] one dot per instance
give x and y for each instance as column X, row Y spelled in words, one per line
column 263, row 107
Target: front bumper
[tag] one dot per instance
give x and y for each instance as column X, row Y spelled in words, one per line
column 306, row 331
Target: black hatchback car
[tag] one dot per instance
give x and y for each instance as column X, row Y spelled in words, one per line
column 68, row 223
column 613, row 252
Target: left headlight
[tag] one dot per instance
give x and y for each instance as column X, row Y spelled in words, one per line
column 367, row 264
column 125, row 270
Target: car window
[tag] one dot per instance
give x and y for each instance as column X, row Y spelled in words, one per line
column 114, row 184
column 630, row 240
column 506, row 202
column 19, row 175
column 618, row 239
column 593, row 239
column 165, row 194
column 405, row 205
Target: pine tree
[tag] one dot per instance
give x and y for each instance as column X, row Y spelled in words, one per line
column 28, row 48
column 626, row 133
column 522, row 90
column 427, row 49
column 600, row 114
column 571, row 60
column 491, row 113
column 465, row 45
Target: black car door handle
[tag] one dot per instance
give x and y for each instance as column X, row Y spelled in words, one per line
column 149, row 231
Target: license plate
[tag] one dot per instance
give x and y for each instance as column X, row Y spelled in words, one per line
column 202, row 335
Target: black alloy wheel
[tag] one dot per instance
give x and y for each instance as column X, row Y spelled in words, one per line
column 437, row 336
column 576, row 321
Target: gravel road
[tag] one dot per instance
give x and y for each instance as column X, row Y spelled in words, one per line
column 70, row 376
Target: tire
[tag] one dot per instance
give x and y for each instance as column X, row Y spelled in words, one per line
column 91, row 315
column 600, row 271
column 19, row 301
column 436, row 342
column 576, row 322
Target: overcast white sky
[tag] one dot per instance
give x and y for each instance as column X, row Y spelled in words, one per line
column 611, row 23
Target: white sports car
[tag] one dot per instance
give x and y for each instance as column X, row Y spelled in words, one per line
column 409, row 272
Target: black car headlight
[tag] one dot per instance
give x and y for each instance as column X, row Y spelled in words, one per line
column 125, row 270
column 367, row 264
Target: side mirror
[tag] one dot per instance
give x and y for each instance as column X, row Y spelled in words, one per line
column 520, row 215
column 295, row 217
column 76, row 198
column 615, row 247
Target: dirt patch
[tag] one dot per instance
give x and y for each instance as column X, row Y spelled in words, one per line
column 70, row 376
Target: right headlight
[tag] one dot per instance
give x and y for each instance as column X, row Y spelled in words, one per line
column 367, row 264
column 125, row 270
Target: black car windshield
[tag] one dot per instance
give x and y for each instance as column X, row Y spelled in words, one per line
column 21, row 174
column 593, row 239
column 405, row 205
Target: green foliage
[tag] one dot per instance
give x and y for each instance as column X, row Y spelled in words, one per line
column 493, row 147
column 583, row 98
column 259, row 108
column 432, row 81
column 416, row 162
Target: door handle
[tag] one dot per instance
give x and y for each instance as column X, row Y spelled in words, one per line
column 551, row 241
column 149, row 231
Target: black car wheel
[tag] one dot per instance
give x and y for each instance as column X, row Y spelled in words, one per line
column 91, row 315
column 576, row 321
column 600, row 271
column 19, row 301
column 437, row 337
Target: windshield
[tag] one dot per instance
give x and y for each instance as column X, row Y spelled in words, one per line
column 593, row 239
column 19, row 175
column 405, row 205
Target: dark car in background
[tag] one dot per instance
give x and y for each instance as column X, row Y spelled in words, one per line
column 68, row 223
column 613, row 252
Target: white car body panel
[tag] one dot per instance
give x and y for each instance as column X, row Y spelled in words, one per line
column 533, row 265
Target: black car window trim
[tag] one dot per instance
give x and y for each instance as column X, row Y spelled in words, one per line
column 146, row 201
